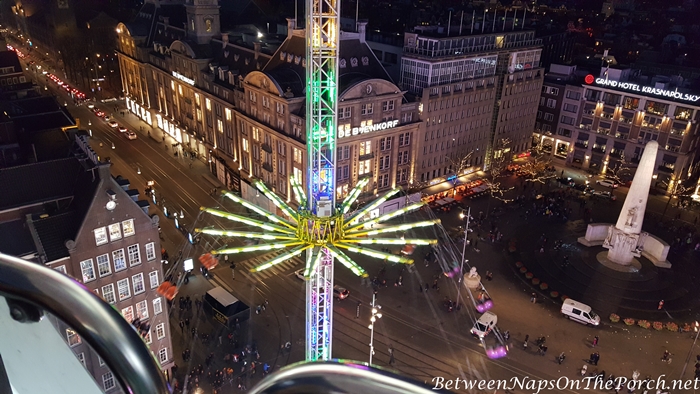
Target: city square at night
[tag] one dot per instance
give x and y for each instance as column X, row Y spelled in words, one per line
column 409, row 196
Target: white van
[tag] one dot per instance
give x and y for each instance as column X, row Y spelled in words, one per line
column 579, row 312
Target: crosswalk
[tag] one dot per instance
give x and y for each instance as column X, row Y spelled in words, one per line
column 282, row 268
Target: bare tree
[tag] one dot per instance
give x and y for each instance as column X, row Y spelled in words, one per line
column 539, row 167
column 620, row 173
column 675, row 189
column 496, row 173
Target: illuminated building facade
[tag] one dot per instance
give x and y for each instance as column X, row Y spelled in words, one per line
column 473, row 93
column 241, row 105
column 615, row 116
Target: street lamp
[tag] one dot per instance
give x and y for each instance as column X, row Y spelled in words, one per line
column 376, row 314
column 464, row 249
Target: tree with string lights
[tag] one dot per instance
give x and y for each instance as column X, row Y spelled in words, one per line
column 497, row 171
column 675, row 189
column 539, row 167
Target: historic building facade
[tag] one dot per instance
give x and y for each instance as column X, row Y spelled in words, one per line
column 239, row 103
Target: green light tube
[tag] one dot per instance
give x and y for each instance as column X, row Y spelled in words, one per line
column 245, row 249
column 241, row 234
column 391, row 241
column 300, row 196
column 286, row 256
column 354, row 193
column 347, row 262
column 271, row 216
column 373, row 205
column 392, row 229
column 375, row 254
column 276, row 200
column 245, row 220
column 387, row 216
column 315, row 262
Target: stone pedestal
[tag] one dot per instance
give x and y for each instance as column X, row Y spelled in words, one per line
column 623, row 247
column 472, row 282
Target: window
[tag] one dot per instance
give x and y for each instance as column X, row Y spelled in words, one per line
column 115, row 232
column 160, row 331
column 570, row 108
column 128, row 313
column 108, row 293
column 383, row 180
column 364, row 167
column 150, row 251
column 142, row 309
column 548, row 116
column 265, row 101
column 88, row 270
column 367, row 109
column 163, row 355
column 108, row 381
column 573, row 95
column 157, row 306
column 568, row 120
column 118, row 258
column 101, row 361
column 404, row 139
column 134, row 255
column 147, row 337
column 297, row 155
column 153, row 278
column 403, row 157
column 123, row 288
column 137, row 282
column 103, row 266
column 384, row 162
column 100, row 236
column 73, row 338
column 385, row 143
column 62, row 269
column 345, row 113
column 280, row 108
column 207, row 103
column 128, row 227
column 388, row 105
column 551, row 103
column 365, row 148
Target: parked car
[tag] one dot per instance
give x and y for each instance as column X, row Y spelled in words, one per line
column 606, row 183
column 604, row 194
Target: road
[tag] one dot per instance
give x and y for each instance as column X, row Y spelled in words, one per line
column 428, row 341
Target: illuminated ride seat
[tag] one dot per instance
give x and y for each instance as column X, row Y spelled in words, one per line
column 483, row 302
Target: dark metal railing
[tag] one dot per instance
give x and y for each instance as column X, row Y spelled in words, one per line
column 31, row 289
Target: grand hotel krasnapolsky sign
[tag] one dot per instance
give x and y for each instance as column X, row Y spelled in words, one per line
column 633, row 87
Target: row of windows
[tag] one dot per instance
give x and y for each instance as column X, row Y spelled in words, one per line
column 124, row 290
column 104, row 268
column 435, row 105
column 366, row 109
column 116, row 232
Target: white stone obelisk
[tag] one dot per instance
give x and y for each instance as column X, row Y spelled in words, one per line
column 625, row 239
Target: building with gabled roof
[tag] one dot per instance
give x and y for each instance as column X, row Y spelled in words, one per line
column 73, row 216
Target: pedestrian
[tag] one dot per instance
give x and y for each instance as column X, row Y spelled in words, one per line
column 489, row 275
column 595, row 341
column 187, row 322
column 426, row 287
column 182, row 325
column 527, row 338
column 533, row 298
column 506, row 335
column 194, row 332
column 391, row 356
column 661, row 304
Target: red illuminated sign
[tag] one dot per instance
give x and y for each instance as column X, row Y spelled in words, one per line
column 589, row 79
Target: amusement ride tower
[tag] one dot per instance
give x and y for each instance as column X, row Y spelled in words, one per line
column 319, row 227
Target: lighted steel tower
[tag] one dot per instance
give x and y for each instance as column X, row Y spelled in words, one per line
column 322, row 44
column 318, row 226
